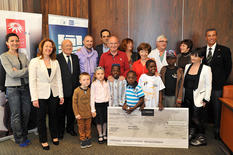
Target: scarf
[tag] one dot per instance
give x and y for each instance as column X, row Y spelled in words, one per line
column 90, row 60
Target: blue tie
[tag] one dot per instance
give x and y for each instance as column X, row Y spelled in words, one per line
column 69, row 63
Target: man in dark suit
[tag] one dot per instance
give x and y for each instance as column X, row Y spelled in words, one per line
column 103, row 48
column 218, row 57
column 70, row 71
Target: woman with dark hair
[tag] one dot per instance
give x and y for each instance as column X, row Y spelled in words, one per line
column 46, row 90
column 127, row 47
column 183, row 58
column 16, row 66
column 139, row 66
column 197, row 88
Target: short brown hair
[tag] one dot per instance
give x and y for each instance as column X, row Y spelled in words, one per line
column 41, row 45
column 144, row 46
column 84, row 74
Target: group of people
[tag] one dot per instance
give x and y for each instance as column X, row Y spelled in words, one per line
column 81, row 85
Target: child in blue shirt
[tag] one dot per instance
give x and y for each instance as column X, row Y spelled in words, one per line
column 134, row 94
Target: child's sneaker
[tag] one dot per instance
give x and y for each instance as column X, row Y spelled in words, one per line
column 83, row 144
column 23, row 144
column 88, row 142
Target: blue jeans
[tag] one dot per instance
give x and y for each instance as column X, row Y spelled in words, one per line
column 20, row 106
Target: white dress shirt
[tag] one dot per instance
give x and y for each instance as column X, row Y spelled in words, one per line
column 212, row 49
column 155, row 55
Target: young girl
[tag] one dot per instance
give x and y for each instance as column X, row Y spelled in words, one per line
column 152, row 86
column 134, row 93
column 100, row 98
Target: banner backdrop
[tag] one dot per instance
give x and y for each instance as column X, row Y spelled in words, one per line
column 63, row 27
column 28, row 26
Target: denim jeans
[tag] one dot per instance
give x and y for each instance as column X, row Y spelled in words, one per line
column 20, row 106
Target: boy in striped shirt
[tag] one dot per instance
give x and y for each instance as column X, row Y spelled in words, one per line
column 134, row 94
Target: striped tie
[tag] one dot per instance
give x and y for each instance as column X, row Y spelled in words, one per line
column 209, row 56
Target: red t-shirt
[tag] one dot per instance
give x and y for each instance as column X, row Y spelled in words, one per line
column 139, row 68
column 107, row 59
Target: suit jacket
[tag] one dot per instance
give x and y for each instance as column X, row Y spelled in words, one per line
column 99, row 49
column 221, row 65
column 2, row 78
column 203, row 90
column 69, row 81
column 40, row 83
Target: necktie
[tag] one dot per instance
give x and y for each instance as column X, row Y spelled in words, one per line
column 209, row 56
column 69, row 63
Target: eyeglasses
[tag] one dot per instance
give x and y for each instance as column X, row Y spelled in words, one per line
column 163, row 41
column 105, row 36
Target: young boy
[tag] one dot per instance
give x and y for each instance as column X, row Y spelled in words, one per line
column 117, row 87
column 173, row 78
column 152, row 86
column 82, row 109
column 134, row 94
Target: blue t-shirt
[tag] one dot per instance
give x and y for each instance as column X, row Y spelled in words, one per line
column 133, row 95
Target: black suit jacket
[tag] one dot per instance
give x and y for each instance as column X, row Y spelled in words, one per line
column 99, row 49
column 221, row 65
column 2, row 78
column 69, row 81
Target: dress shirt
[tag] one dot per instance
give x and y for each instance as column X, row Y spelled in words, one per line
column 66, row 58
column 155, row 55
column 105, row 49
column 212, row 49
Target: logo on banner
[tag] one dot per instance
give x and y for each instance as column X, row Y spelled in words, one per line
column 71, row 22
column 18, row 27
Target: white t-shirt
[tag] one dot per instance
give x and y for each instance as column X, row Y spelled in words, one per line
column 151, row 85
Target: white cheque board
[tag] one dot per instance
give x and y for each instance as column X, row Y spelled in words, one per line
column 167, row 128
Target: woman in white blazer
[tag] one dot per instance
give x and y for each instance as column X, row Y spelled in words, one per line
column 46, row 89
column 197, row 89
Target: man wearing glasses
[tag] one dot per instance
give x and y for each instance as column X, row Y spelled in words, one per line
column 103, row 48
column 159, row 54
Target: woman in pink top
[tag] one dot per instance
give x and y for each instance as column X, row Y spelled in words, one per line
column 100, row 98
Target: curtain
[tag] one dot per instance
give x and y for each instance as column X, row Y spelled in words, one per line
column 11, row 5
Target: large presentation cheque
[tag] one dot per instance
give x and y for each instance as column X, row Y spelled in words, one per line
column 167, row 128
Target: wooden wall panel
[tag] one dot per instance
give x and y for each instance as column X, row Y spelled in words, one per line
column 110, row 14
column 73, row 8
column 31, row 6
column 150, row 18
column 200, row 15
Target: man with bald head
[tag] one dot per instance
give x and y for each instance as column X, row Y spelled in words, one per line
column 114, row 56
column 70, row 71
column 159, row 54
column 88, row 57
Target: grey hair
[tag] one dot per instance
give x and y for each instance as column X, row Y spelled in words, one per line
column 160, row 36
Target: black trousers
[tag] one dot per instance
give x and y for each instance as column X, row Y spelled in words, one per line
column 196, row 114
column 66, row 111
column 49, row 105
